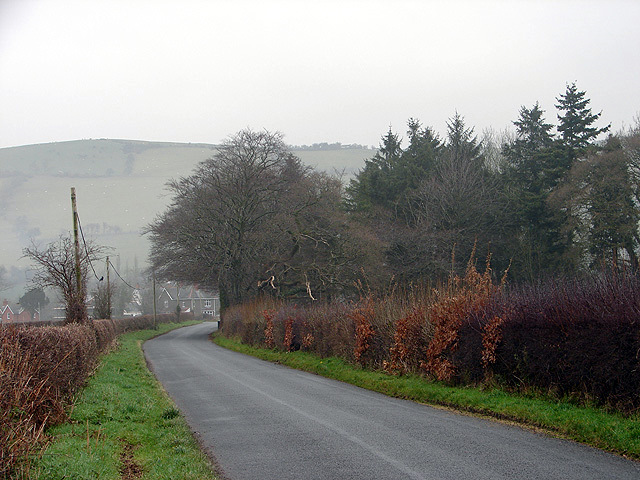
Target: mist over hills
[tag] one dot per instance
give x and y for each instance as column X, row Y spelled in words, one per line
column 120, row 186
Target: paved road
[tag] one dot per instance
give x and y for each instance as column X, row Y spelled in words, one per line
column 264, row 421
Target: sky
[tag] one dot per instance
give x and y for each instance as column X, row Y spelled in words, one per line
column 317, row 71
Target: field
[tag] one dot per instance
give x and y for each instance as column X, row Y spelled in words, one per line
column 120, row 188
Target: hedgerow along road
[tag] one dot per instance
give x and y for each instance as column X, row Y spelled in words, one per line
column 263, row 421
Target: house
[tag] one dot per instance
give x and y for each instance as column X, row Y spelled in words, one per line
column 6, row 313
column 15, row 314
column 134, row 307
column 190, row 299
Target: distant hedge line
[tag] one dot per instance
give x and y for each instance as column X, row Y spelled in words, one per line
column 41, row 368
column 574, row 338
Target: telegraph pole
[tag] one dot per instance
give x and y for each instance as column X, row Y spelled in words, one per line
column 76, row 242
column 155, row 317
column 108, row 291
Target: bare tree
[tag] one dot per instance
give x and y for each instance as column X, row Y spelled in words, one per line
column 102, row 296
column 254, row 218
column 55, row 267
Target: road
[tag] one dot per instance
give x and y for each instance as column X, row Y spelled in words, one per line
column 264, row 421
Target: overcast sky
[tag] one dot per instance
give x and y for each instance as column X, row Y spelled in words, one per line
column 336, row 71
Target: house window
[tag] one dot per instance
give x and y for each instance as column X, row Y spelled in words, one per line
column 8, row 315
column 207, row 303
column 166, row 304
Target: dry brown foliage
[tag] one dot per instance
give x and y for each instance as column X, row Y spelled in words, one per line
column 363, row 317
column 461, row 298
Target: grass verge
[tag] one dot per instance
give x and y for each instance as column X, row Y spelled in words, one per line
column 596, row 427
column 123, row 426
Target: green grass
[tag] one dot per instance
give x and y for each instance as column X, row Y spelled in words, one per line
column 123, row 409
column 593, row 426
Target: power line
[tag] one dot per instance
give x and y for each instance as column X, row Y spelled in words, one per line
column 86, row 249
column 91, row 263
column 125, row 282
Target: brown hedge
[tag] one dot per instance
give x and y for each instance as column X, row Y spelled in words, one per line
column 41, row 368
column 571, row 338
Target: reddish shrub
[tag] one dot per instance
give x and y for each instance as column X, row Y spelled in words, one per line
column 268, row 329
column 461, row 299
column 410, row 342
column 576, row 338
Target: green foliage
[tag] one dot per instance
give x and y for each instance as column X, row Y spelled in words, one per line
column 34, row 300
column 536, row 165
column 576, row 121
column 393, row 173
column 601, row 189
column 544, row 178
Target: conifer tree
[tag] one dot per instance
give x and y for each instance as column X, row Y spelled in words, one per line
column 576, row 122
column 536, row 165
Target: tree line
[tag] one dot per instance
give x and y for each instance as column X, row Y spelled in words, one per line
column 254, row 220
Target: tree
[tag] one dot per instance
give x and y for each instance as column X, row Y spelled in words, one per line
column 600, row 193
column 102, row 296
column 253, row 219
column 462, row 144
column 56, row 268
column 33, row 300
column 458, row 205
column 384, row 185
column 376, row 184
column 575, row 124
column 536, row 165
column 211, row 231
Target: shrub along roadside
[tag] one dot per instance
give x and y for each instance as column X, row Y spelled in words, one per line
column 577, row 338
column 123, row 425
column 608, row 431
column 41, row 369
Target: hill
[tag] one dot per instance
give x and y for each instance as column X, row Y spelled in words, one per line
column 120, row 186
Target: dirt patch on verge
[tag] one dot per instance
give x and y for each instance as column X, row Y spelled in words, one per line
column 129, row 468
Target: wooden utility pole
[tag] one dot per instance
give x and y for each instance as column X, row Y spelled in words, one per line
column 155, row 316
column 76, row 241
column 108, row 291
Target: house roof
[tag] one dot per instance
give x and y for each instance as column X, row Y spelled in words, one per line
column 4, row 307
column 187, row 292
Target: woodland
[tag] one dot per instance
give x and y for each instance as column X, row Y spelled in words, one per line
column 543, row 201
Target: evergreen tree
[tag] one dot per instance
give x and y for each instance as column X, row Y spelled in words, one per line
column 462, row 144
column 34, row 300
column 417, row 162
column 388, row 178
column 536, row 165
column 576, row 122
column 600, row 190
column 533, row 133
column 374, row 184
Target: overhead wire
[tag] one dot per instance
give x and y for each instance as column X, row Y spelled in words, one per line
column 84, row 242
column 86, row 249
column 119, row 276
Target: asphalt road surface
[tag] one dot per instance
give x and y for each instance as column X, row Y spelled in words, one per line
column 268, row 422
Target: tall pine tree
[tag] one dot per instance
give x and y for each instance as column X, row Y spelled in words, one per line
column 576, row 120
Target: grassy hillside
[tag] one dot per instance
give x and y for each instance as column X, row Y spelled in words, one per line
column 95, row 158
column 120, row 186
